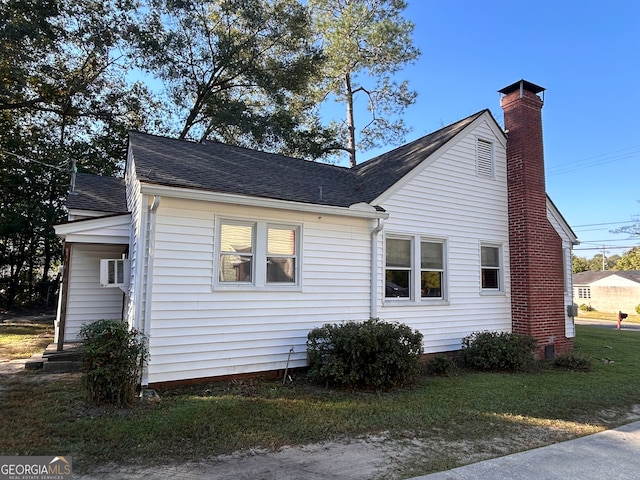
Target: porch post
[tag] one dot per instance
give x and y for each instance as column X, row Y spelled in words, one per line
column 64, row 289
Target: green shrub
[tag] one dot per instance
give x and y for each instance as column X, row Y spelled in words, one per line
column 372, row 354
column 440, row 365
column 113, row 360
column 574, row 360
column 498, row 351
column 638, row 309
column 586, row 308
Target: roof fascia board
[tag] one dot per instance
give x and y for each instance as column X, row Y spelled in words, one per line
column 357, row 210
column 485, row 117
column 496, row 128
column 79, row 226
column 78, row 212
column 553, row 210
column 97, row 239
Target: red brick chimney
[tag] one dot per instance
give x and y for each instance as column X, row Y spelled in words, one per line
column 537, row 273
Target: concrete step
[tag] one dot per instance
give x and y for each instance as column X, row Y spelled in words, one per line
column 70, row 353
column 35, row 363
column 53, row 361
column 61, row 366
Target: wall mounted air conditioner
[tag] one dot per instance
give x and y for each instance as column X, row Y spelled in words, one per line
column 115, row 272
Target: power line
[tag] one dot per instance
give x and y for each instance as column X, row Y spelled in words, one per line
column 29, row 160
column 581, row 230
column 595, row 160
column 599, row 224
column 608, row 240
column 617, row 247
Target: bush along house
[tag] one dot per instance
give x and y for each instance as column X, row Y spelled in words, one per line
column 227, row 257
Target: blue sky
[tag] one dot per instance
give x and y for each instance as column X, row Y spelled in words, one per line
column 587, row 56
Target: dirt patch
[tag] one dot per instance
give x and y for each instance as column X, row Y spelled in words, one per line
column 370, row 457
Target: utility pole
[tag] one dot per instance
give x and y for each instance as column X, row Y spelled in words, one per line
column 74, row 170
column 604, row 252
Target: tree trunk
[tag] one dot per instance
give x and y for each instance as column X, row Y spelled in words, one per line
column 351, row 141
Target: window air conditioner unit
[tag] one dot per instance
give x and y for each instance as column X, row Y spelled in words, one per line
column 114, row 272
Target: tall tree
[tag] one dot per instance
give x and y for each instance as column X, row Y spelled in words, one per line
column 630, row 260
column 236, row 71
column 366, row 42
column 64, row 96
column 579, row 264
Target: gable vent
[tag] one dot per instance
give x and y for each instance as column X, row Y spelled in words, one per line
column 484, row 158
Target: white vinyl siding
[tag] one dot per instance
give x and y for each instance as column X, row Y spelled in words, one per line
column 136, row 256
column 560, row 227
column 449, row 201
column 87, row 301
column 197, row 331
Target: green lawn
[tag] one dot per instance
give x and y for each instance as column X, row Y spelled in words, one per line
column 519, row 411
column 21, row 340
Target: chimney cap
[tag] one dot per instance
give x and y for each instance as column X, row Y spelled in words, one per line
column 530, row 87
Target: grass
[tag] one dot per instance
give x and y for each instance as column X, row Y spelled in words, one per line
column 21, row 340
column 612, row 316
column 496, row 413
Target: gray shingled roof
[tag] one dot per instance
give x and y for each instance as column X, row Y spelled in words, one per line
column 97, row 193
column 380, row 173
column 229, row 169
column 586, row 278
column 224, row 168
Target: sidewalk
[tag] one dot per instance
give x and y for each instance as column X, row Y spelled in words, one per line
column 609, row 454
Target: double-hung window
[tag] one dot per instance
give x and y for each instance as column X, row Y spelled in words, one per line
column 281, row 254
column 237, row 247
column 257, row 254
column 399, row 267
column 414, row 268
column 491, row 270
column 431, row 269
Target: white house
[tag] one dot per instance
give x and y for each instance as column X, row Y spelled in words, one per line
column 227, row 257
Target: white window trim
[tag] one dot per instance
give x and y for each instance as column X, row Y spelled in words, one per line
column 501, row 287
column 259, row 273
column 415, row 298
